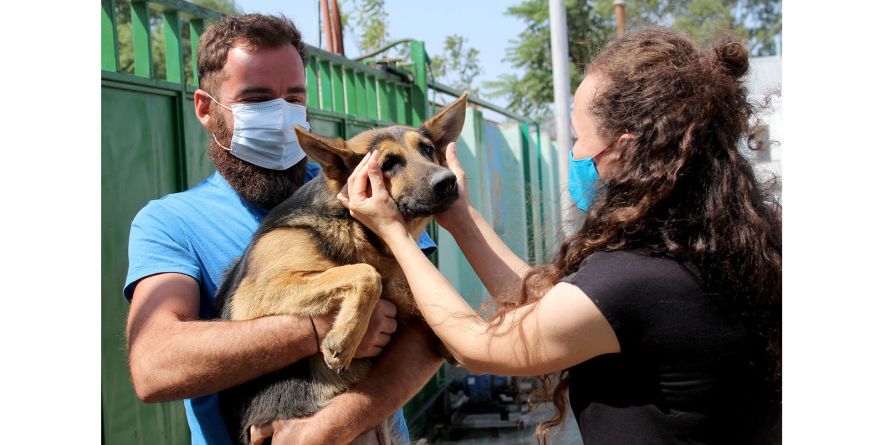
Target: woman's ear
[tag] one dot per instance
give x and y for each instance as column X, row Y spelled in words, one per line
column 625, row 140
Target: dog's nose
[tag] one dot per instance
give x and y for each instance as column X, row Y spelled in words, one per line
column 443, row 183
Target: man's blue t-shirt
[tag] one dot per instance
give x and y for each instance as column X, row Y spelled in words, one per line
column 199, row 233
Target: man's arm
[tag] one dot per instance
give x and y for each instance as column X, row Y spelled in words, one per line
column 401, row 371
column 174, row 355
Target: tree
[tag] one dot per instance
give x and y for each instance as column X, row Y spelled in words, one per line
column 591, row 24
column 371, row 19
column 532, row 92
column 758, row 22
column 458, row 66
column 158, row 50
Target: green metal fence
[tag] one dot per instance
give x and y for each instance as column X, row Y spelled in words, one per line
column 153, row 145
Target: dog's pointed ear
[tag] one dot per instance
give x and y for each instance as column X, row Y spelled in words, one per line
column 445, row 126
column 333, row 155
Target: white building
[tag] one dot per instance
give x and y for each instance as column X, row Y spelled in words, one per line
column 764, row 81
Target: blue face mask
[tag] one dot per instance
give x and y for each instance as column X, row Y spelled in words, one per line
column 583, row 178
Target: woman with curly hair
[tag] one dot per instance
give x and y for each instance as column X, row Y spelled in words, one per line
column 661, row 316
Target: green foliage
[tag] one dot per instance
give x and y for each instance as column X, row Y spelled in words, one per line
column 370, row 18
column 757, row 22
column 158, row 50
column 591, row 24
column 458, row 66
column 532, row 92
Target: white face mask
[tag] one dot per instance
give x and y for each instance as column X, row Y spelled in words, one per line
column 263, row 133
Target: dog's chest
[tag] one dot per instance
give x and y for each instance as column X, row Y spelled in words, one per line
column 395, row 289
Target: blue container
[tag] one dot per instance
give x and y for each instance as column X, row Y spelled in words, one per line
column 479, row 388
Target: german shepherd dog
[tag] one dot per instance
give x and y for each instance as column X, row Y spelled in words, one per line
column 310, row 257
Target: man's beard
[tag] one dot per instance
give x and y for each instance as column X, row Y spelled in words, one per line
column 258, row 185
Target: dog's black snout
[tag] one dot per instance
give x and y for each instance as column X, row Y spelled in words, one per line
column 444, row 184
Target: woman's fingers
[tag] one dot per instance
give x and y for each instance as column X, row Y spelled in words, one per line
column 357, row 180
column 452, row 159
column 343, row 195
column 376, row 180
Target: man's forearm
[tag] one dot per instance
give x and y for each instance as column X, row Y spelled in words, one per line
column 408, row 362
column 179, row 359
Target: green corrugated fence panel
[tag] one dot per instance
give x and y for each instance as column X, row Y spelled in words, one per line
column 527, row 193
column 551, row 192
column 141, row 39
column 535, row 194
column 513, row 191
column 338, row 97
column 384, row 100
column 311, row 83
column 327, row 126
column 372, row 97
column 400, row 99
column 173, row 44
column 350, row 92
column 139, row 163
column 418, row 91
column 325, row 85
column 109, row 36
column 360, row 94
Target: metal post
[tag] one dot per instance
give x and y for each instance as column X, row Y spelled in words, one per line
column 619, row 17
column 560, row 56
column 327, row 25
column 338, row 44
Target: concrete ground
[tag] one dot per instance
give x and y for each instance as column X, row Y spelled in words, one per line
column 569, row 435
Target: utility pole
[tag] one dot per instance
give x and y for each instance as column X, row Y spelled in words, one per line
column 327, row 26
column 619, row 17
column 338, row 45
column 560, row 56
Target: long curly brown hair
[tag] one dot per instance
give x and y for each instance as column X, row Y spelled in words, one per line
column 680, row 186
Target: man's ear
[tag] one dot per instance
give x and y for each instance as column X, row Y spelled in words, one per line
column 445, row 126
column 332, row 154
column 201, row 107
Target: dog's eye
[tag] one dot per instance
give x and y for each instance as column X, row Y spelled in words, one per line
column 427, row 150
column 392, row 163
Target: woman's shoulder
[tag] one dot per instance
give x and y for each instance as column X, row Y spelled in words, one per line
column 635, row 269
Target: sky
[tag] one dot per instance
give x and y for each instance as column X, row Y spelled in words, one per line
column 481, row 22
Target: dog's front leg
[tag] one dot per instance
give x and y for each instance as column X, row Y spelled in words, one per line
column 357, row 302
column 353, row 289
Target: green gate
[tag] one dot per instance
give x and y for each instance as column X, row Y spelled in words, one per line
column 153, row 145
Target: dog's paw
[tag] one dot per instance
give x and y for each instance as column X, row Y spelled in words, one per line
column 334, row 353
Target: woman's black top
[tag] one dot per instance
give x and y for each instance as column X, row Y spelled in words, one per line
column 683, row 374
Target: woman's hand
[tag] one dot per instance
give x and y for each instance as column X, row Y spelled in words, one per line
column 460, row 210
column 374, row 206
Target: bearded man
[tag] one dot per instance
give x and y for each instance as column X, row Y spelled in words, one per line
column 252, row 90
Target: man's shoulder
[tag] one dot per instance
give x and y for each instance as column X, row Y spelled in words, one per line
column 177, row 206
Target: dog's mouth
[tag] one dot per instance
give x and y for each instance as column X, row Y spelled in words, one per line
column 412, row 208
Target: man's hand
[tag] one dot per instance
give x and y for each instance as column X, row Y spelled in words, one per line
column 381, row 326
column 284, row 432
